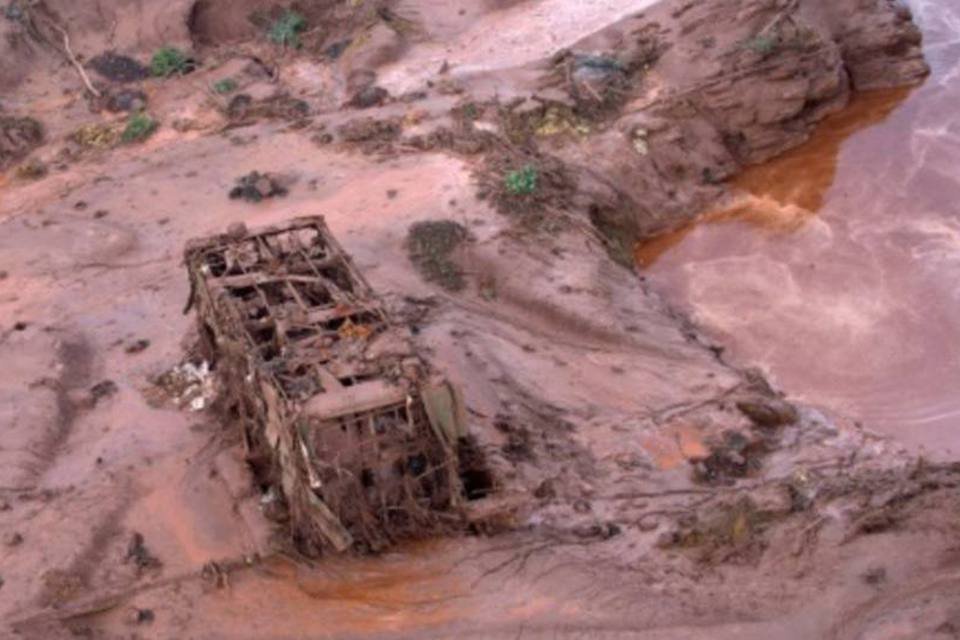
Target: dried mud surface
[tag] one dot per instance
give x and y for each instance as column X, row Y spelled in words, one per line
column 647, row 488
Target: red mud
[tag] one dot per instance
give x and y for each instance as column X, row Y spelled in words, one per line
column 641, row 499
column 849, row 241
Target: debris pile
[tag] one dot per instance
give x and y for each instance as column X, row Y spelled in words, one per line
column 188, row 385
column 256, row 186
column 338, row 414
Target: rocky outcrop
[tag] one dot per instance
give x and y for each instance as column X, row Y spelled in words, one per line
column 740, row 81
column 879, row 43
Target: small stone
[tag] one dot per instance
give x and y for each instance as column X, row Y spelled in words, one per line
column 81, row 399
column 648, row 524
column 12, row 539
column 874, row 576
column 138, row 346
column 237, row 231
column 546, row 490
column 582, row 506
column 127, row 100
column 372, row 96
column 103, row 389
column 768, row 412
column 101, row 213
column 140, row 616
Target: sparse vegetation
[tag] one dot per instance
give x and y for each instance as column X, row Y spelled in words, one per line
column 430, row 245
column 763, row 45
column 471, row 111
column 18, row 137
column 95, row 136
column 169, row 61
column 32, row 170
column 286, row 30
column 139, row 127
column 225, row 86
column 521, row 182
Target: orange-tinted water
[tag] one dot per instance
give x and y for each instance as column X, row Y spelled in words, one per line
column 836, row 267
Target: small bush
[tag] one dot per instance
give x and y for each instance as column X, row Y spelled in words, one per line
column 139, row 127
column 225, row 86
column 521, row 182
column 169, row 61
column 286, row 30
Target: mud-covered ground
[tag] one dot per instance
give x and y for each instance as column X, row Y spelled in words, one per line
column 649, row 489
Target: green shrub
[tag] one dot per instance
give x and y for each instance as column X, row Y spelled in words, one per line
column 763, row 45
column 225, row 86
column 168, row 61
column 139, row 127
column 286, row 30
column 521, row 182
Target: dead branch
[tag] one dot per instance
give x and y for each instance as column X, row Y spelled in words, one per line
column 73, row 60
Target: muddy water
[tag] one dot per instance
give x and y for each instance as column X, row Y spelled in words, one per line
column 836, row 267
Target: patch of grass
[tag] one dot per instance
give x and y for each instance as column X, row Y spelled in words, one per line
column 430, row 245
column 139, row 127
column 225, row 86
column 521, row 182
column 169, row 61
column 286, row 30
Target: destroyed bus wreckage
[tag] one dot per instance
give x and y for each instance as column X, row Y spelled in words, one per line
column 337, row 413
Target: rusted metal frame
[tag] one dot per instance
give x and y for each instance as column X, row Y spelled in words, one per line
column 262, row 241
column 225, row 305
column 338, row 255
column 357, row 277
column 248, row 280
column 269, row 309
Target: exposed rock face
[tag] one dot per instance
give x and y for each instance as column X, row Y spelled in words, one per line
column 744, row 81
column 879, row 43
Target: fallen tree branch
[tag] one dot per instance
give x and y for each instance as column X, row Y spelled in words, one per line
column 76, row 63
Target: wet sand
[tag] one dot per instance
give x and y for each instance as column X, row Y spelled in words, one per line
column 835, row 268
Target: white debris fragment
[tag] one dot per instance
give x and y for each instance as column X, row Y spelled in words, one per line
column 640, row 141
column 189, row 385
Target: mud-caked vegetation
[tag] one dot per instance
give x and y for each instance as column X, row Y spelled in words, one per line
column 432, row 247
